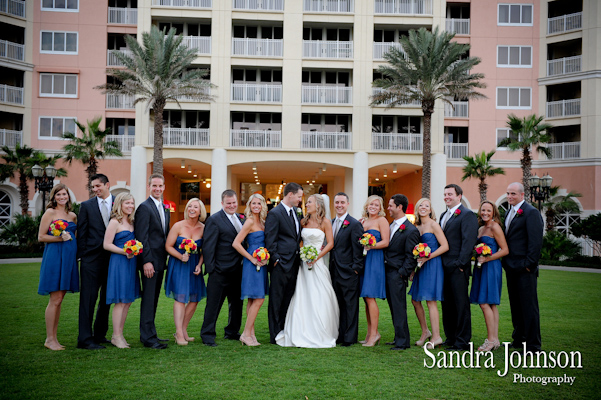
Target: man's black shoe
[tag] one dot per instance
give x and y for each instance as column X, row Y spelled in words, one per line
column 162, row 340
column 210, row 344
column 101, row 340
column 346, row 344
column 90, row 346
column 155, row 345
column 389, row 343
column 398, row 348
column 232, row 337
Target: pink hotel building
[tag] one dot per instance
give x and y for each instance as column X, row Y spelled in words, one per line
column 293, row 80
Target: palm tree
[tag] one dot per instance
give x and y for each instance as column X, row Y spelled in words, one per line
column 479, row 167
column 158, row 70
column 90, row 148
column 525, row 133
column 554, row 208
column 428, row 67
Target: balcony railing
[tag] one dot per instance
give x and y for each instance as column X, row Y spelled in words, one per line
column 255, row 138
column 455, row 150
column 565, row 65
column 202, row 44
column 327, row 94
column 120, row 101
column 258, row 47
column 184, row 3
column 12, row 50
column 182, row 137
column 409, row 7
column 10, row 138
column 11, row 94
column 564, row 23
column 562, row 151
column 460, row 26
column 112, row 60
column 326, row 140
column 331, row 6
column 127, row 16
column 13, row 7
column 257, row 92
column 563, row 108
column 414, row 103
column 381, row 48
column 125, row 142
column 457, row 109
column 327, row 49
column 396, row 141
column 258, row 5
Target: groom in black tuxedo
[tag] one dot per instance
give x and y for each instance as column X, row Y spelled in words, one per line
column 346, row 263
column 224, row 266
column 151, row 225
column 524, row 234
column 399, row 263
column 460, row 226
column 282, row 238
column 94, row 215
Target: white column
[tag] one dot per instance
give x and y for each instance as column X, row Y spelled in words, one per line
column 438, row 180
column 360, row 182
column 218, row 178
column 138, row 179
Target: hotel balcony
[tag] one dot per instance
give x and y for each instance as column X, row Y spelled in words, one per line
column 257, row 92
column 457, row 109
column 381, row 48
column 182, row 137
column 328, row 49
column 202, row 44
column 455, row 150
column 396, row 141
column 322, row 94
column 259, row 5
column 564, row 23
column 415, row 103
column 11, row 94
column 326, row 140
column 13, row 7
column 565, row 65
column 13, row 51
column 257, row 47
column 125, row 16
column 403, row 7
column 113, row 61
column 125, row 142
column 10, row 138
column 563, row 108
column 183, row 3
column 246, row 138
column 459, row 26
column 120, row 101
column 563, row 151
column 329, row 6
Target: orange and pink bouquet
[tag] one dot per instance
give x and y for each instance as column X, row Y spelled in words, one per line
column 481, row 250
column 261, row 254
column 189, row 246
column 421, row 250
column 133, row 247
column 57, row 227
column 367, row 240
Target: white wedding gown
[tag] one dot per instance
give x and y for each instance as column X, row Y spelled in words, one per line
column 312, row 318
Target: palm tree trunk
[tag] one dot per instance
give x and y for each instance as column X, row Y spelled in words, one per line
column 91, row 170
column 526, row 168
column 157, row 157
column 427, row 108
column 24, row 193
column 483, row 187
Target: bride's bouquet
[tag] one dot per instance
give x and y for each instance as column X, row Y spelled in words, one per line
column 481, row 250
column 421, row 250
column 308, row 254
column 367, row 240
column 189, row 246
column 133, row 247
column 261, row 254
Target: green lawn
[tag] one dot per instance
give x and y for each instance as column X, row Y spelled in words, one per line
column 570, row 316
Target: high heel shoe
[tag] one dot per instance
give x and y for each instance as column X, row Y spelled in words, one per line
column 180, row 342
column 374, row 343
column 436, row 343
column 421, row 341
column 365, row 340
column 247, row 341
column 497, row 344
column 119, row 342
column 190, row 339
column 486, row 346
column 254, row 338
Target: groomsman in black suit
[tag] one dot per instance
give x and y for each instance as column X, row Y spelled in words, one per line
column 346, row 263
column 524, row 234
column 224, row 266
column 399, row 263
column 152, row 227
column 94, row 215
column 460, row 227
column 282, row 239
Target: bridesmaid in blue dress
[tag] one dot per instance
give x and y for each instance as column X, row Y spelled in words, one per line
column 373, row 282
column 184, row 282
column 428, row 279
column 59, row 273
column 487, row 279
column 254, row 283
column 123, row 283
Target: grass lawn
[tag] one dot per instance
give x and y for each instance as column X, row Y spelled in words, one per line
column 570, row 304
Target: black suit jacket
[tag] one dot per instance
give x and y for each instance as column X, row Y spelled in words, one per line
column 524, row 240
column 90, row 230
column 461, row 232
column 347, row 254
column 399, row 253
column 147, row 225
column 219, row 234
column 281, row 238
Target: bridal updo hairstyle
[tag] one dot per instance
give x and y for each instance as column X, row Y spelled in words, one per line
column 203, row 210
column 52, row 202
column 496, row 215
column 418, row 220
column 320, row 212
column 117, row 211
column 371, row 198
column 263, row 214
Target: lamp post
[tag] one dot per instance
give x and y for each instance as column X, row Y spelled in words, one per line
column 539, row 189
column 44, row 180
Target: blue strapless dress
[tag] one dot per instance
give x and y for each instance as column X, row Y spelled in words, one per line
column 59, row 265
column 254, row 283
column 428, row 280
column 123, row 281
column 181, row 284
column 373, row 281
column 488, row 279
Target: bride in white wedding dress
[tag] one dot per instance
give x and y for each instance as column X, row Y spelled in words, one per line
column 313, row 314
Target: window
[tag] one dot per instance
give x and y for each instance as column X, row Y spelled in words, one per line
column 515, row 14
column 59, row 42
column 60, row 5
column 58, row 85
column 514, row 56
column 6, row 209
column 55, row 127
column 514, row 97
column 504, row 133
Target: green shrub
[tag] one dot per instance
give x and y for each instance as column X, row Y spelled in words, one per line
column 23, row 232
column 557, row 246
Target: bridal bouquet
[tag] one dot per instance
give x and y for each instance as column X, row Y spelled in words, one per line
column 481, row 250
column 57, row 227
column 421, row 250
column 261, row 254
column 367, row 240
column 188, row 245
column 133, row 247
column 308, row 254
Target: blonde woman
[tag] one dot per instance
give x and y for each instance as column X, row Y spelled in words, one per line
column 428, row 279
column 123, row 283
column 373, row 282
column 254, row 275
